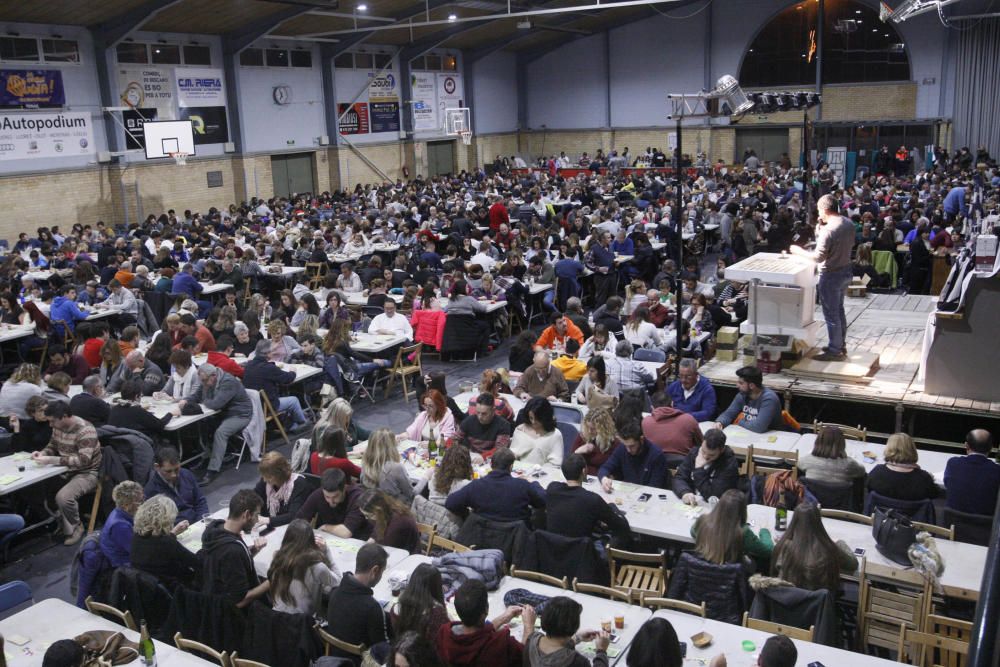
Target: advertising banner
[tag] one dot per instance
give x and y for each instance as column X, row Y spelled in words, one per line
column 425, row 110
column 384, row 116
column 36, row 135
column 355, row 121
column 200, row 87
column 31, row 88
column 209, row 124
column 836, row 157
column 135, row 137
column 147, row 87
column 382, row 88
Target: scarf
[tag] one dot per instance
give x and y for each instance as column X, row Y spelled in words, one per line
column 276, row 497
column 182, row 383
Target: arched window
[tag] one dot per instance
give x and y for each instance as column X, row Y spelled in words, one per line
column 857, row 48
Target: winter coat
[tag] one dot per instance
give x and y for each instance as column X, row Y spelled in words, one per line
column 723, row 588
column 486, row 565
column 428, row 327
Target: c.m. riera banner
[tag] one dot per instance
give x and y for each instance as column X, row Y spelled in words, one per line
column 31, row 88
column 33, row 135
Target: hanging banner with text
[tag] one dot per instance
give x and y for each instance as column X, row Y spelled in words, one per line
column 35, row 135
column 208, row 123
column 384, row 116
column 449, row 95
column 836, row 157
column 382, row 88
column 148, row 88
column 31, row 88
column 200, row 87
column 425, row 110
column 355, row 121
column 133, row 119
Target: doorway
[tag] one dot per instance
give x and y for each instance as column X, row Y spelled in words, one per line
column 292, row 173
column 440, row 157
column 768, row 143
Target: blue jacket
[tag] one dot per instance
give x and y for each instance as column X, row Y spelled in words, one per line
column 69, row 311
column 185, row 283
column 954, row 201
column 602, row 257
column 648, row 467
column 191, row 503
column 971, row 484
column 497, row 497
column 116, row 538
column 702, row 403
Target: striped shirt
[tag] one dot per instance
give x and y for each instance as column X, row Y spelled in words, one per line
column 76, row 446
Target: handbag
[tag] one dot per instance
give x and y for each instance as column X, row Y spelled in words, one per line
column 103, row 648
column 596, row 398
column 894, row 533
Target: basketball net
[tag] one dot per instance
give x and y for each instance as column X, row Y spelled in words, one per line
column 179, row 158
column 466, row 137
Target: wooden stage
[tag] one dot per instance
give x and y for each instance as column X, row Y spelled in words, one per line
column 893, row 327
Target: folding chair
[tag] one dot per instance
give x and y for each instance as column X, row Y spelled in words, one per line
column 602, row 591
column 850, row 432
column 776, row 461
column 331, row 641
column 271, row 415
column 540, row 577
column 404, row 367
column 426, row 529
column 778, row 629
column 191, row 646
column 316, row 271
column 236, row 661
column 920, row 648
column 107, row 611
column 889, row 599
column 96, row 509
column 844, row 515
column 638, row 573
column 651, row 602
column 447, row 545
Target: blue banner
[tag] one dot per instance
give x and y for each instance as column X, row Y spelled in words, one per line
column 31, row 88
column 384, row 116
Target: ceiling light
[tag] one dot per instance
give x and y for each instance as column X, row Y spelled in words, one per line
column 362, row 8
column 857, row 11
column 452, row 17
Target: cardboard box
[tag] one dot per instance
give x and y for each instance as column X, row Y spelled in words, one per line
column 725, row 354
column 727, row 335
column 986, row 252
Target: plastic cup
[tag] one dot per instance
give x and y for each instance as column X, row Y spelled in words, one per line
column 620, row 621
column 606, row 625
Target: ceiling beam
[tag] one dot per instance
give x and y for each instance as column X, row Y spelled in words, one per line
column 349, row 42
column 236, row 41
column 116, row 28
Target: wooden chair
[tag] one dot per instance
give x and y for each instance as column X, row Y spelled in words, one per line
column 602, row 591
column 778, row 629
column 920, row 648
column 844, row 515
column 316, row 271
column 271, row 415
column 404, row 368
column 949, row 628
column 639, row 573
column 107, row 611
column 428, row 530
column 889, row 598
column 771, row 456
column 247, row 292
column 745, row 455
column 947, row 533
column 448, row 545
column 236, row 661
column 96, row 508
column 850, row 432
column 652, row 602
column 69, row 341
column 331, row 641
column 191, row 646
column 540, row 577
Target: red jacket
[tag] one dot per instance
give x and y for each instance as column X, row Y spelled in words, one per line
column 488, row 646
column 227, row 364
column 428, row 327
column 673, row 431
column 92, row 351
column 498, row 216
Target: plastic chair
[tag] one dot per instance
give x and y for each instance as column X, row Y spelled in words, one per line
column 642, row 354
column 569, row 415
column 13, row 594
column 569, row 433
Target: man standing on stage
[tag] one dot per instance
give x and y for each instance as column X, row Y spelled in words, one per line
column 834, row 241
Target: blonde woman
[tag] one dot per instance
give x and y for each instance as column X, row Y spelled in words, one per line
column 900, row 478
column 339, row 414
column 155, row 549
column 597, row 439
column 382, row 468
column 15, row 392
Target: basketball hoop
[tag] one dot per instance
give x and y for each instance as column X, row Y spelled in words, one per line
column 179, row 158
column 884, row 12
column 466, row 137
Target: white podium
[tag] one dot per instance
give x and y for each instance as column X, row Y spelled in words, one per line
column 785, row 296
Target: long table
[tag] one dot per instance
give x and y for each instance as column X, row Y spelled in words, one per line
column 12, row 479
column 595, row 609
column 48, row 621
column 343, row 550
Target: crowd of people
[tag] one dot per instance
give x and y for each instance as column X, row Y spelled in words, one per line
column 380, row 255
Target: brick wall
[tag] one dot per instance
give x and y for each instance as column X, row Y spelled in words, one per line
column 32, row 200
column 488, row 146
column 389, row 157
column 882, row 102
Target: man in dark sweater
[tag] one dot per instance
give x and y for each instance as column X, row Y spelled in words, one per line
column 353, row 614
column 638, row 462
column 759, row 406
column 972, row 481
column 709, row 470
column 484, row 432
column 498, row 496
column 573, row 511
column 177, row 483
column 471, row 641
column 73, row 365
column 336, row 507
column 264, row 375
column 89, row 404
column 228, row 567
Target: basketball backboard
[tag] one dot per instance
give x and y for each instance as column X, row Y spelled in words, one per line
column 164, row 137
column 457, row 121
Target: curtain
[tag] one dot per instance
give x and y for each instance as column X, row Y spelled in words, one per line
column 977, row 87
